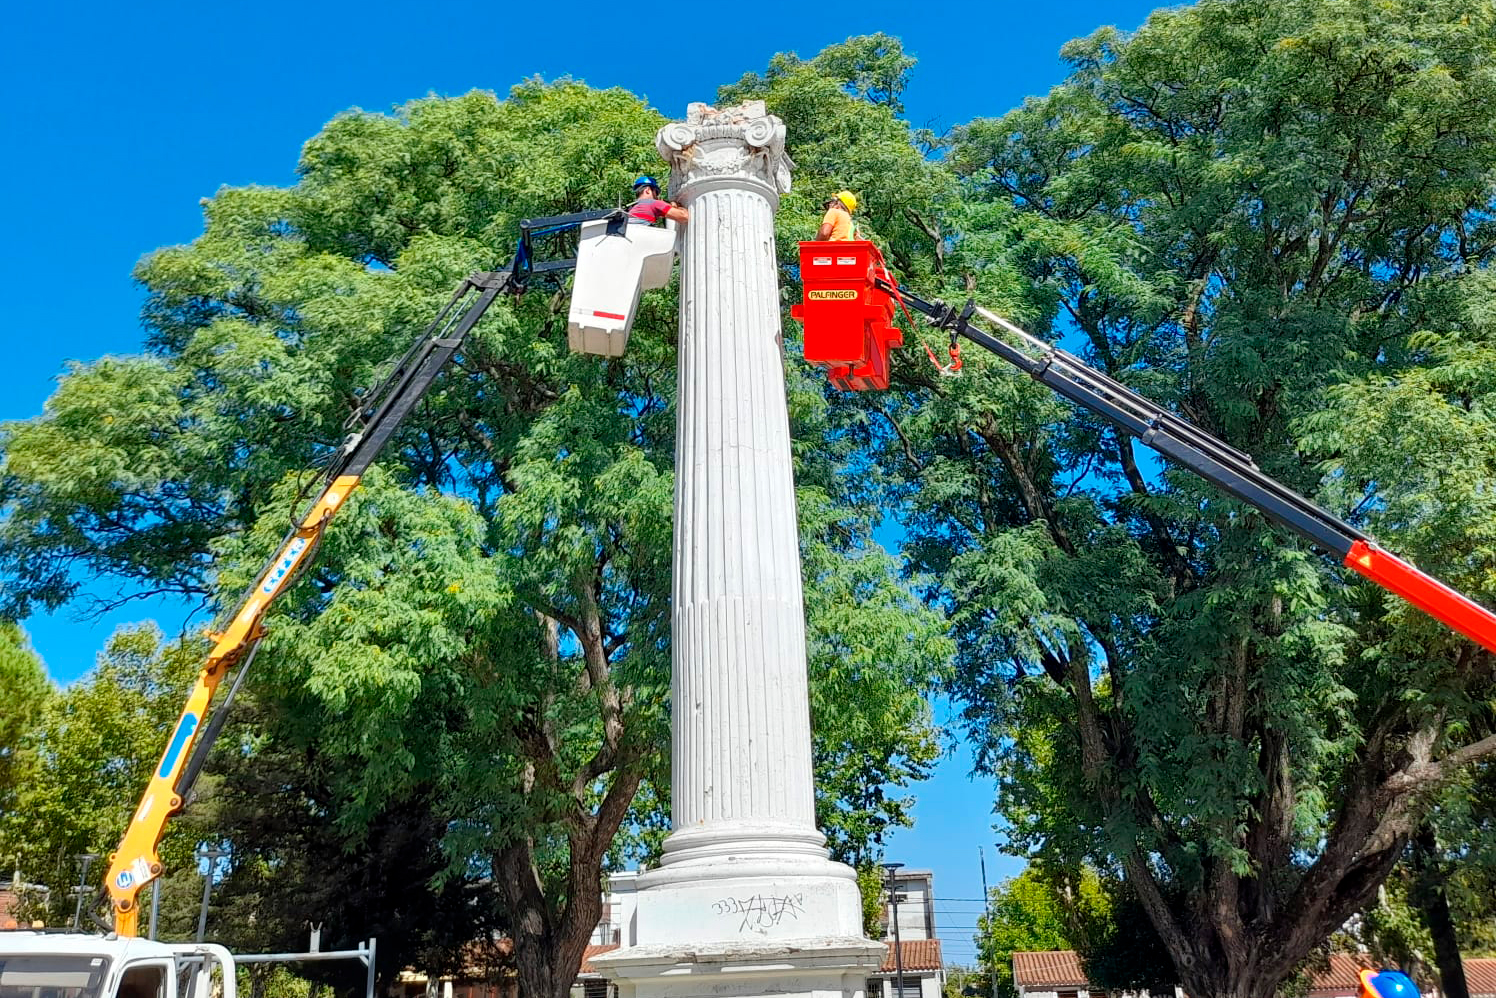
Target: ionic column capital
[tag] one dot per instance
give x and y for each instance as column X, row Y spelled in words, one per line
column 735, row 147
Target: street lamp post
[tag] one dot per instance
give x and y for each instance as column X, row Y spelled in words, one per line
column 212, row 854
column 87, row 859
column 894, row 898
column 987, row 910
column 155, row 905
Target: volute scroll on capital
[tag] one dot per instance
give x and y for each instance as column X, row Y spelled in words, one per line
column 739, row 146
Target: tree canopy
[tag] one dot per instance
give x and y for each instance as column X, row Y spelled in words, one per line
column 89, row 751
column 25, row 691
column 1277, row 220
column 471, row 682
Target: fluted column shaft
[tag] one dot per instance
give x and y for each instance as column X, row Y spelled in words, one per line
column 745, row 902
column 741, row 729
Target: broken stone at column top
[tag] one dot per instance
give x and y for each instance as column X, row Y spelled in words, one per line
column 733, row 147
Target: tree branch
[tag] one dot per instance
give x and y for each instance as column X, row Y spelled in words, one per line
column 1179, row 567
column 1425, row 775
column 913, row 458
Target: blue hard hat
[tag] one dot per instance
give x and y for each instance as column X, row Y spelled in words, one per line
column 646, row 181
column 1387, row 984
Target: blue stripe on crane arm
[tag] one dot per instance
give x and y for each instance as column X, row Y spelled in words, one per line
column 186, row 728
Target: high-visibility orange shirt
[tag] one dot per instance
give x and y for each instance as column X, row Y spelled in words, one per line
column 841, row 225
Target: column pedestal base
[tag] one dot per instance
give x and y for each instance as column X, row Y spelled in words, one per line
column 743, row 881
column 805, row 967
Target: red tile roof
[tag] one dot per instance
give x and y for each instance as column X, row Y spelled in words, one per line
column 1342, row 978
column 1480, row 977
column 1055, row 967
column 593, row 949
column 918, row 954
column 1339, row 980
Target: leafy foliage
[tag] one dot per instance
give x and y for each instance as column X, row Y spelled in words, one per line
column 455, row 707
column 1275, row 221
column 1025, row 915
column 1121, row 951
column 92, row 748
column 25, row 691
column 872, row 887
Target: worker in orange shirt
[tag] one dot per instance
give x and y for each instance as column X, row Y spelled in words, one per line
column 836, row 225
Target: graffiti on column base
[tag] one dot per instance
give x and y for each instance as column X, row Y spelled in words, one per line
column 761, row 912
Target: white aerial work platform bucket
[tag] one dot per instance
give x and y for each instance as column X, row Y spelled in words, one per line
column 615, row 261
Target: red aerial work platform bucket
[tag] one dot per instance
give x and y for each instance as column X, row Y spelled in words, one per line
column 849, row 325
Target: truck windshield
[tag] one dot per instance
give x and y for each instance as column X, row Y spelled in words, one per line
column 51, row 975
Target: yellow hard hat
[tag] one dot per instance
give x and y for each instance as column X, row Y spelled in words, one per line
column 847, row 198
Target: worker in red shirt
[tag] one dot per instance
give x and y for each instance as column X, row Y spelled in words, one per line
column 648, row 208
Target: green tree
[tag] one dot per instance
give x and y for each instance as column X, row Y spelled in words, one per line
column 1464, row 825
column 482, row 648
column 394, row 884
column 1272, row 219
column 1445, row 403
column 874, row 655
column 966, row 982
column 1035, row 912
column 1120, row 949
column 94, row 744
column 25, row 691
column 1436, row 908
column 870, row 884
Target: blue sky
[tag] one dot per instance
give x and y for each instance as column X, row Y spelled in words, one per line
column 122, row 116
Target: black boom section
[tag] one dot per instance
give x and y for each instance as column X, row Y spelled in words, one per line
column 547, row 246
column 389, row 404
column 1177, row 439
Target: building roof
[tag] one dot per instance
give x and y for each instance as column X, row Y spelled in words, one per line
column 1055, row 967
column 1341, row 979
column 594, row 949
column 1062, row 968
column 1480, row 977
column 918, row 954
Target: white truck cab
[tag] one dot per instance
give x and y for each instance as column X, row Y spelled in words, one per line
column 35, row 964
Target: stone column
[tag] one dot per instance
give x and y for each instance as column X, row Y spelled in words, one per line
column 744, row 892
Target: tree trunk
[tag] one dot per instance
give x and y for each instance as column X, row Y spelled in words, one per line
column 549, row 943
column 518, row 883
column 259, row 979
column 1428, row 894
